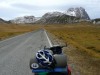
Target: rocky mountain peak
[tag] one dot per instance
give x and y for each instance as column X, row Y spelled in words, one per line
column 78, row 12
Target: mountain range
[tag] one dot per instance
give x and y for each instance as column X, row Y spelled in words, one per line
column 69, row 16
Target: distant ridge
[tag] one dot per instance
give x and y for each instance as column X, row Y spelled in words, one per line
column 4, row 21
column 25, row 19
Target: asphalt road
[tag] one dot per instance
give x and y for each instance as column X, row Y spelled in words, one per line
column 15, row 53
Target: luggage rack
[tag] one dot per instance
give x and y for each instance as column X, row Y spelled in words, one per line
column 50, row 70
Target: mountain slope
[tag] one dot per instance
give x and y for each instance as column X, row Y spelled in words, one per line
column 4, row 21
column 1, row 20
column 25, row 19
column 56, row 18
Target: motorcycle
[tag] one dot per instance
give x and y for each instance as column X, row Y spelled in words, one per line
column 59, row 67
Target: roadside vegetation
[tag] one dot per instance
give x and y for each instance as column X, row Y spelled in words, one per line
column 83, row 49
column 83, row 37
column 9, row 30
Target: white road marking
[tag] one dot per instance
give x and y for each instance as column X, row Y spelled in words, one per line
column 48, row 39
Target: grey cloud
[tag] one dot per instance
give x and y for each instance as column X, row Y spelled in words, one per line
column 25, row 6
column 93, row 8
column 34, row 8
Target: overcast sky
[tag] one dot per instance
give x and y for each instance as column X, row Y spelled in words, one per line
column 10, row 9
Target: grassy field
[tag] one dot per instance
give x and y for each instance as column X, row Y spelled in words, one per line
column 9, row 30
column 83, row 37
column 83, row 49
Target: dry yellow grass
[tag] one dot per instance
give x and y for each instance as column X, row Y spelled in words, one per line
column 9, row 30
column 83, row 49
column 83, row 37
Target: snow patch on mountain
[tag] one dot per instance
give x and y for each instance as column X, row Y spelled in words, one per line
column 25, row 19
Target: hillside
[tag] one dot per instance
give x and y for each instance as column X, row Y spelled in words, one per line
column 25, row 19
column 4, row 21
